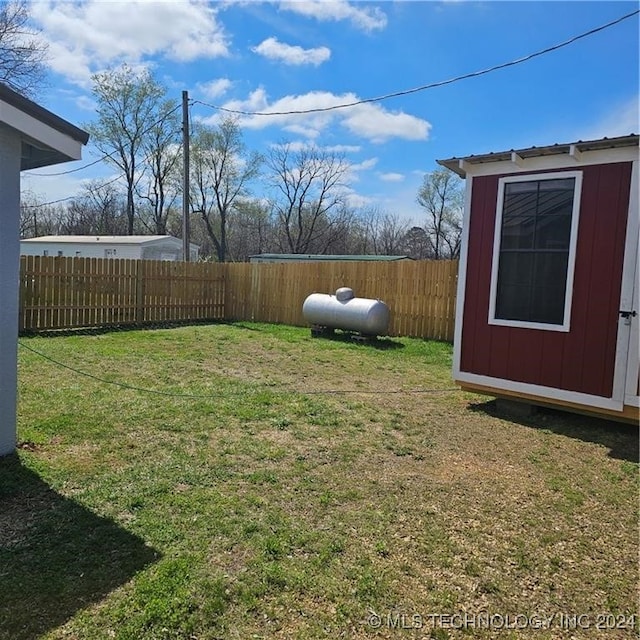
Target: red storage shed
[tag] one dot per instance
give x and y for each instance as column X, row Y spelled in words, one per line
column 547, row 307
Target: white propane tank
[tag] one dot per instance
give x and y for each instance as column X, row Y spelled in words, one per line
column 344, row 311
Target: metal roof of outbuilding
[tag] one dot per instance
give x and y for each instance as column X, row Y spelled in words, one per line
column 457, row 164
column 308, row 257
column 102, row 239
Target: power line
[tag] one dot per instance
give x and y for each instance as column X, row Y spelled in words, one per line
column 106, row 155
column 45, row 204
column 100, row 186
column 195, row 396
column 432, row 85
column 387, row 96
column 64, row 173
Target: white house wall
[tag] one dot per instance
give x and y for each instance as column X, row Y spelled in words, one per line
column 82, row 250
column 10, row 151
column 157, row 250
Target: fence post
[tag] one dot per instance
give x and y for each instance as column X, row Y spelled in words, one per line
column 254, row 298
column 23, row 293
column 139, row 291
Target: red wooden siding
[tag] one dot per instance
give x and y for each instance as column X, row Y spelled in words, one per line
column 583, row 359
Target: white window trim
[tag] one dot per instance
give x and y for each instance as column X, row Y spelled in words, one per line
column 573, row 240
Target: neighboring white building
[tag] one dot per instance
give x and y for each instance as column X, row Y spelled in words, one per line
column 128, row 247
column 30, row 137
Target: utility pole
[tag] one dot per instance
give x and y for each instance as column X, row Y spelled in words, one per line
column 185, row 178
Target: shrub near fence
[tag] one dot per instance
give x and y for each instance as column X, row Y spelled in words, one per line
column 60, row 293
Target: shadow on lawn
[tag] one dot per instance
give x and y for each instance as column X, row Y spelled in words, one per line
column 374, row 342
column 116, row 328
column 621, row 439
column 56, row 556
column 335, row 335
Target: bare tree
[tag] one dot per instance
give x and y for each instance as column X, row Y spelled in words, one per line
column 22, row 52
column 309, row 198
column 99, row 209
column 130, row 105
column 385, row 232
column 29, row 209
column 38, row 218
column 251, row 231
column 441, row 196
column 221, row 171
column 335, row 233
column 161, row 186
column 417, row 245
column 197, row 234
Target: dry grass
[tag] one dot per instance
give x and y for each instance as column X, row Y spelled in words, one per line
column 274, row 509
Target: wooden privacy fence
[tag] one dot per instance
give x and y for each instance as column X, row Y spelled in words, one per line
column 420, row 294
column 62, row 293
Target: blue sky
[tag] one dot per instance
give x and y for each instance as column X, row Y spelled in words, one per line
column 287, row 56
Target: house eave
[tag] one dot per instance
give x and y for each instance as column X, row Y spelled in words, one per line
column 46, row 138
column 34, row 110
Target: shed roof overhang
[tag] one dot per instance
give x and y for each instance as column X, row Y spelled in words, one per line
column 517, row 157
column 46, row 138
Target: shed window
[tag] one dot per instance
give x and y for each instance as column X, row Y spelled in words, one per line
column 534, row 250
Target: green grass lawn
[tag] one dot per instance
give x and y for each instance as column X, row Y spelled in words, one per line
column 290, row 487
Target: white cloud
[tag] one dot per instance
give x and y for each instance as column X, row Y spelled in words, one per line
column 257, row 101
column 369, row 121
column 403, row 202
column 365, row 164
column 295, row 146
column 85, row 37
column 355, row 168
column 373, row 122
column 621, row 120
column 366, row 18
column 356, row 200
column 214, row 88
column 309, row 125
column 303, row 130
column 338, row 149
column 86, row 103
column 273, row 49
column 391, row 177
column 343, row 148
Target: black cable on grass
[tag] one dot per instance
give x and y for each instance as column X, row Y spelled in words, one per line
column 254, row 390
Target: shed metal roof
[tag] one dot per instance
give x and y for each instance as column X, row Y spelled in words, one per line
column 308, row 257
column 457, row 164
